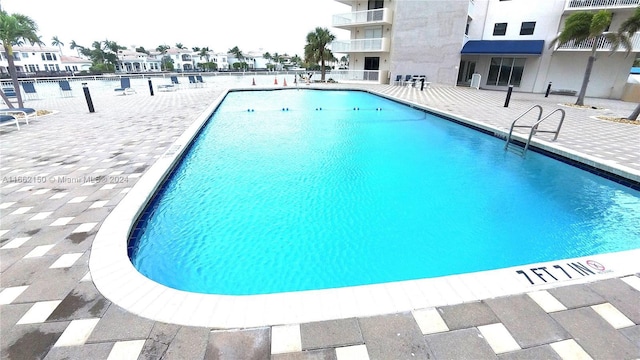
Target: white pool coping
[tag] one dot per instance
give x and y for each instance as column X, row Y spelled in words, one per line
column 118, row 280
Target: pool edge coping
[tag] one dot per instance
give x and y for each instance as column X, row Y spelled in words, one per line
column 118, row 280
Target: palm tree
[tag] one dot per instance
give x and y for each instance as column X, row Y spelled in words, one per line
column 180, row 46
column 13, row 29
column 591, row 28
column 56, row 42
column 630, row 27
column 75, row 45
column 204, row 52
column 162, row 49
column 316, row 48
column 267, row 56
column 237, row 54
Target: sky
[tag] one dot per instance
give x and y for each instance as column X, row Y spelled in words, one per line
column 275, row 26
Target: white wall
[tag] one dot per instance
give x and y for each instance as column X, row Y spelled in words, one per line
column 427, row 38
column 546, row 14
column 608, row 77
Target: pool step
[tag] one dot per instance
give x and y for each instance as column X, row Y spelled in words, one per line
column 515, row 148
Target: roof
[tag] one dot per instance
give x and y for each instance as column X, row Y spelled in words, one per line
column 35, row 49
column 73, row 59
column 503, row 47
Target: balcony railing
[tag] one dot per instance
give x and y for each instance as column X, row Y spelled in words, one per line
column 600, row 4
column 376, row 76
column 356, row 18
column 360, row 45
column 602, row 45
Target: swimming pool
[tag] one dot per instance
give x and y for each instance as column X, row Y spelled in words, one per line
column 325, row 189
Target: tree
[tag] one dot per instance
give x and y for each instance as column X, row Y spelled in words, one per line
column 162, row 49
column 239, row 57
column 56, row 42
column 591, row 28
column 204, row 52
column 628, row 28
column 316, row 48
column 16, row 28
column 180, row 46
column 75, row 46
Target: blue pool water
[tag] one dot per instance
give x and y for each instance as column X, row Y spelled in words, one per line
column 323, row 196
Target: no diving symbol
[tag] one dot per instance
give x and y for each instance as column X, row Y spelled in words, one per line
column 596, row 265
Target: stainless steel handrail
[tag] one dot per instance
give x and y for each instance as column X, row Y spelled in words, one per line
column 534, row 127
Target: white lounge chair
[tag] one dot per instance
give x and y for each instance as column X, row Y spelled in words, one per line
column 9, row 120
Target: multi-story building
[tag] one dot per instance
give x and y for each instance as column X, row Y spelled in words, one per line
column 505, row 42
column 372, row 27
column 133, row 61
column 32, row 59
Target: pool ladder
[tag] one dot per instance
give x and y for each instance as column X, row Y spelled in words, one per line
column 522, row 150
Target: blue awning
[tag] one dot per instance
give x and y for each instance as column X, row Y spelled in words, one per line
column 503, row 47
column 635, row 70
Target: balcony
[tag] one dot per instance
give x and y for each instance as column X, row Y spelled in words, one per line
column 359, row 76
column 346, row 2
column 366, row 17
column 602, row 45
column 360, row 45
column 600, row 4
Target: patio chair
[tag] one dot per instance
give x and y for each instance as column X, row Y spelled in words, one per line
column 9, row 120
column 398, row 80
column 406, row 80
column 21, row 113
column 125, row 87
column 65, row 88
column 29, row 90
column 200, row 80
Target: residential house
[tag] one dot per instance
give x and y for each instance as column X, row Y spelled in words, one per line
column 74, row 64
column 132, row 61
column 32, row 60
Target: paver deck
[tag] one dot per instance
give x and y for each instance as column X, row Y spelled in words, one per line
column 50, row 308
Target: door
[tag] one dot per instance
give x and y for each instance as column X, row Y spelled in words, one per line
column 374, row 5
column 465, row 72
column 371, row 67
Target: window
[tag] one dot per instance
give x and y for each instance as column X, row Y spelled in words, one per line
column 505, row 71
column 500, row 29
column 527, row 28
column 48, row 56
column 466, row 29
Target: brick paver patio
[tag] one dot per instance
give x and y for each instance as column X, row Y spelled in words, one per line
column 50, row 308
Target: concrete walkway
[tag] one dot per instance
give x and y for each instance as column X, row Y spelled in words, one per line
column 49, row 307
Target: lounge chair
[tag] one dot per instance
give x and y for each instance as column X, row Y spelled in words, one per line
column 174, row 80
column 192, row 79
column 9, row 120
column 29, row 90
column 125, row 87
column 23, row 113
column 398, row 80
column 65, row 88
column 10, row 93
column 199, row 79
